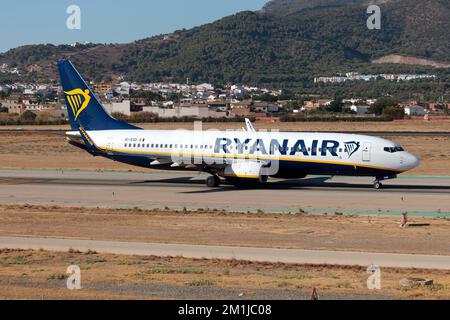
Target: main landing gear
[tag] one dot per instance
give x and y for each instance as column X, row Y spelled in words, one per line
column 213, row 181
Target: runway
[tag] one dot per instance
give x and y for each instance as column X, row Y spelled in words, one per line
column 425, row 196
column 296, row 256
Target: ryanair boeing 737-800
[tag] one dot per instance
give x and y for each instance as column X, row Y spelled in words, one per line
column 236, row 156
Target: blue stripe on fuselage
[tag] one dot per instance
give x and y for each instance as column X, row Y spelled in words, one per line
column 309, row 168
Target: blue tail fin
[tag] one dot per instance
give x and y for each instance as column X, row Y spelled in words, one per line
column 83, row 107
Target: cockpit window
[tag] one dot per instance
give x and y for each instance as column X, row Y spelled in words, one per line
column 394, row 149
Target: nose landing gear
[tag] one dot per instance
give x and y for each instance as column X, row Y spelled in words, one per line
column 377, row 183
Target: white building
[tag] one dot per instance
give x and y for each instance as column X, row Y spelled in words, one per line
column 360, row 109
column 414, row 110
column 205, row 87
column 123, row 107
column 123, row 88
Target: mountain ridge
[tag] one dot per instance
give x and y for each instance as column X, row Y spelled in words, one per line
column 260, row 48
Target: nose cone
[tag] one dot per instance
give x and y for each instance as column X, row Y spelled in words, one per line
column 410, row 162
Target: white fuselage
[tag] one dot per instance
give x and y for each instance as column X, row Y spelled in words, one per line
column 309, row 150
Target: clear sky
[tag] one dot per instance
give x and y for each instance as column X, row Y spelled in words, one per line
column 107, row 21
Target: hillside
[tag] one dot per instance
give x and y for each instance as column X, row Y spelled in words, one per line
column 287, row 7
column 393, row 58
column 260, row 48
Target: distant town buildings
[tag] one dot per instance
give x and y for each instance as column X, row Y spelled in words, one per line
column 167, row 100
column 4, row 68
column 355, row 76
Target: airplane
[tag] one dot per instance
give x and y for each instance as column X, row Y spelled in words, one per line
column 237, row 157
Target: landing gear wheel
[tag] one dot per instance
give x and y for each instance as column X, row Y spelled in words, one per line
column 377, row 185
column 212, row 182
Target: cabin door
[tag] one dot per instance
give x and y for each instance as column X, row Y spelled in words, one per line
column 366, row 152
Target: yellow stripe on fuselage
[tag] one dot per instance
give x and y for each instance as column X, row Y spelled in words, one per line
column 247, row 157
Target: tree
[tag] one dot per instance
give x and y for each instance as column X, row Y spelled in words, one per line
column 382, row 103
column 292, row 105
column 28, row 116
column 395, row 112
column 335, row 105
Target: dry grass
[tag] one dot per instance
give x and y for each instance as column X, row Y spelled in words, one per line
column 106, row 276
column 332, row 232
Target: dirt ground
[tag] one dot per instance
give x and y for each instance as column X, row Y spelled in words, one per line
column 42, row 275
column 301, row 231
column 43, row 151
column 401, row 125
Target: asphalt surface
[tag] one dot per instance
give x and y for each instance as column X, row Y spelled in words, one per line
column 296, row 256
column 426, row 196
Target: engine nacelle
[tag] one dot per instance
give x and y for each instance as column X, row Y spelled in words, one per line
column 244, row 170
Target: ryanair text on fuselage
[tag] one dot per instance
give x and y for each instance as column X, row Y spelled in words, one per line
column 284, row 147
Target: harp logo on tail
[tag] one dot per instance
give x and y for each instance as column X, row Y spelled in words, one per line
column 78, row 100
column 351, row 147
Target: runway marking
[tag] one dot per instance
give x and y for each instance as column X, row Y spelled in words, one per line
column 291, row 256
column 173, row 172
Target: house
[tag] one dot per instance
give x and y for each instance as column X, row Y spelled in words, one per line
column 414, row 110
column 315, row 104
column 205, row 87
column 102, row 89
column 438, row 107
column 264, row 107
column 241, row 108
column 14, row 103
column 218, row 106
column 360, row 109
column 123, row 88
